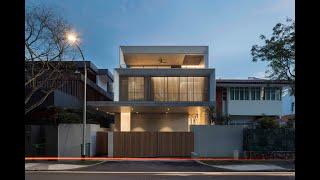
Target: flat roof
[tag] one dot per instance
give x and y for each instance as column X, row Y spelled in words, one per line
column 228, row 82
column 165, row 49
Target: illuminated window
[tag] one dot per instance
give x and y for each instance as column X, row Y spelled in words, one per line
column 135, row 88
column 179, row 88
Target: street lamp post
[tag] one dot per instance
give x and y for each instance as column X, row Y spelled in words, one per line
column 72, row 38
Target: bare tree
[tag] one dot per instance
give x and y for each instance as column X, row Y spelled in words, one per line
column 45, row 49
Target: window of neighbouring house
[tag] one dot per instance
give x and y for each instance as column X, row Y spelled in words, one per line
column 236, row 93
column 272, row 93
column 232, row 94
column 239, row 93
column 255, row 93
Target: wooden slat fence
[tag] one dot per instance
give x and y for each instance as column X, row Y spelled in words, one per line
column 153, row 144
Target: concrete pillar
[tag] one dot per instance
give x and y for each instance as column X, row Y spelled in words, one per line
column 125, row 121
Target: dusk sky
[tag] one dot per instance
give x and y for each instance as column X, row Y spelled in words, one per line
column 228, row 27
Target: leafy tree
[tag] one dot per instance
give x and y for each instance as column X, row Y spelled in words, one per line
column 279, row 52
column 45, row 49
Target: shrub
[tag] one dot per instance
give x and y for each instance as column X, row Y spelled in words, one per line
column 267, row 123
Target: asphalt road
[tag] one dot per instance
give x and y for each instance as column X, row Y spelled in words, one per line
column 153, row 170
column 151, row 166
column 123, row 176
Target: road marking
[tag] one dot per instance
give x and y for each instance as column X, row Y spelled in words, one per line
column 174, row 173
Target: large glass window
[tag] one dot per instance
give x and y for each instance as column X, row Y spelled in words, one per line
column 173, row 88
column 159, row 88
column 135, row 88
column 199, row 88
column 179, row 88
column 190, row 89
column 183, row 89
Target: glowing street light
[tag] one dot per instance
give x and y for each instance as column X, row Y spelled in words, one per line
column 73, row 40
column 72, row 37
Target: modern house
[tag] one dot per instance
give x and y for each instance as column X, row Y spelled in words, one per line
column 245, row 100
column 161, row 88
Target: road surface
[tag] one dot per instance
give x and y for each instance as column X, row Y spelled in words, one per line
column 154, row 170
column 158, row 175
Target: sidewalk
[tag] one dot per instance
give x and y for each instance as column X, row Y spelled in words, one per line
column 58, row 165
column 261, row 165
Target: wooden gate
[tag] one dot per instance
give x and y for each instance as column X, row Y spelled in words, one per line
column 152, row 144
column 102, row 144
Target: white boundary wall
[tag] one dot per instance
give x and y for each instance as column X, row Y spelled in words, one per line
column 217, row 140
column 70, row 139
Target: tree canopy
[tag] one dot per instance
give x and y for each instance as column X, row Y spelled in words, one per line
column 279, row 52
column 45, row 49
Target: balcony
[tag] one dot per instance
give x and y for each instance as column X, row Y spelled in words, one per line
column 254, row 107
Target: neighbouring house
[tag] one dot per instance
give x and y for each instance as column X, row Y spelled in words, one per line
column 161, row 88
column 45, row 135
column 70, row 93
column 245, row 100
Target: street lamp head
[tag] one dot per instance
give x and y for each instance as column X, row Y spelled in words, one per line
column 72, row 37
